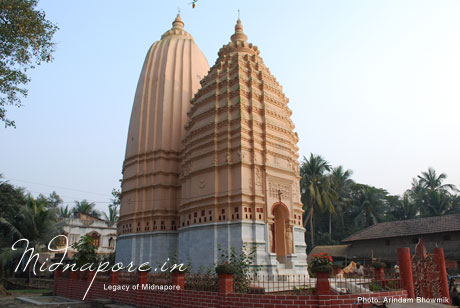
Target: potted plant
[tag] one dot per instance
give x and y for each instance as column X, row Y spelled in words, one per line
column 321, row 265
column 379, row 268
column 226, row 271
column 226, row 268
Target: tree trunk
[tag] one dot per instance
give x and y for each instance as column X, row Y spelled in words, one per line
column 330, row 225
column 311, row 229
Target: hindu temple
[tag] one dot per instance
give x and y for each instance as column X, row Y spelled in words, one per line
column 211, row 160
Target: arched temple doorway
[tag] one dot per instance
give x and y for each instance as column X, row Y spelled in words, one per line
column 280, row 231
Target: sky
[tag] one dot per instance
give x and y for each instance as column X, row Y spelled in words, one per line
column 374, row 86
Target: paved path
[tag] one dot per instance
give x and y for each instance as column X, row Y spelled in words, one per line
column 418, row 305
column 11, row 301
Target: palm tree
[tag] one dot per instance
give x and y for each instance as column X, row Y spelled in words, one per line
column 64, row 212
column 402, row 208
column 32, row 221
column 85, row 207
column 316, row 192
column 370, row 204
column 439, row 203
column 430, row 180
column 112, row 217
column 341, row 183
column 431, row 195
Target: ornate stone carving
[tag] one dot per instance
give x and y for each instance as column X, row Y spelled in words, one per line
column 228, row 157
column 276, row 188
column 258, row 177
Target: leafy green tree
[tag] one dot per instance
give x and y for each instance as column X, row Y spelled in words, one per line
column 54, row 200
column 116, row 196
column 86, row 251
column 11, row 198
column 25, row 41
column 315, row 188
column 86, row 207
column 112, row 217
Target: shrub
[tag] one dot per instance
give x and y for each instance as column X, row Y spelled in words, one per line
column 243, row 264
column 226, row 268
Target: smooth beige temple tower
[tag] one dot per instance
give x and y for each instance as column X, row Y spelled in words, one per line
column 211, row 160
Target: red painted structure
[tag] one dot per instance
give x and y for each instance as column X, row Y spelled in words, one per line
column 405, row 268
column 322, row 283
column 441, row 264
column 76, row 288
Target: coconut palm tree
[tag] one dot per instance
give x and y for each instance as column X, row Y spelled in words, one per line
column 439, row 203
column 32, row 221
column 402, row 208
column 315, row 188
column 341, row 183
column 112, row 217
column 370, row 204
column 64, row 212
column 85, row 207
column 432, row 181
column 432, row 196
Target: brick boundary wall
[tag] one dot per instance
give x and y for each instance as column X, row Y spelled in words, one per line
column 75, row 289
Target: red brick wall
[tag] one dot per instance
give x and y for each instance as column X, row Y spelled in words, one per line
column 197, row 299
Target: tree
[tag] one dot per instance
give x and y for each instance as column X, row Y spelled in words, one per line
column 431, row 181
column 11, row 198
column 86, row 251
column 370, row 204
column 85, row 207
column 341, row 183
column 431, row 195
column 116, row 196
column 25, row 41
column 112, row 217
column 402, row 208
column 33, row 221
column 64, row 212
column 54, row 200
column 315, row 188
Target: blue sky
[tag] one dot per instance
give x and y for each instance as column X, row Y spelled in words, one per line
column 373, row 85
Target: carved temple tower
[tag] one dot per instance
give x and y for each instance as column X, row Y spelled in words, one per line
column 222, row 171
column 169, row 78
column 239, row 166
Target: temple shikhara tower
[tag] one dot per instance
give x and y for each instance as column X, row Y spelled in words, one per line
column 211, row 160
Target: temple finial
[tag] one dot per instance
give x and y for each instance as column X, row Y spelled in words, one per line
column 178, row 23
column 238, row 14
column 239, row 34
